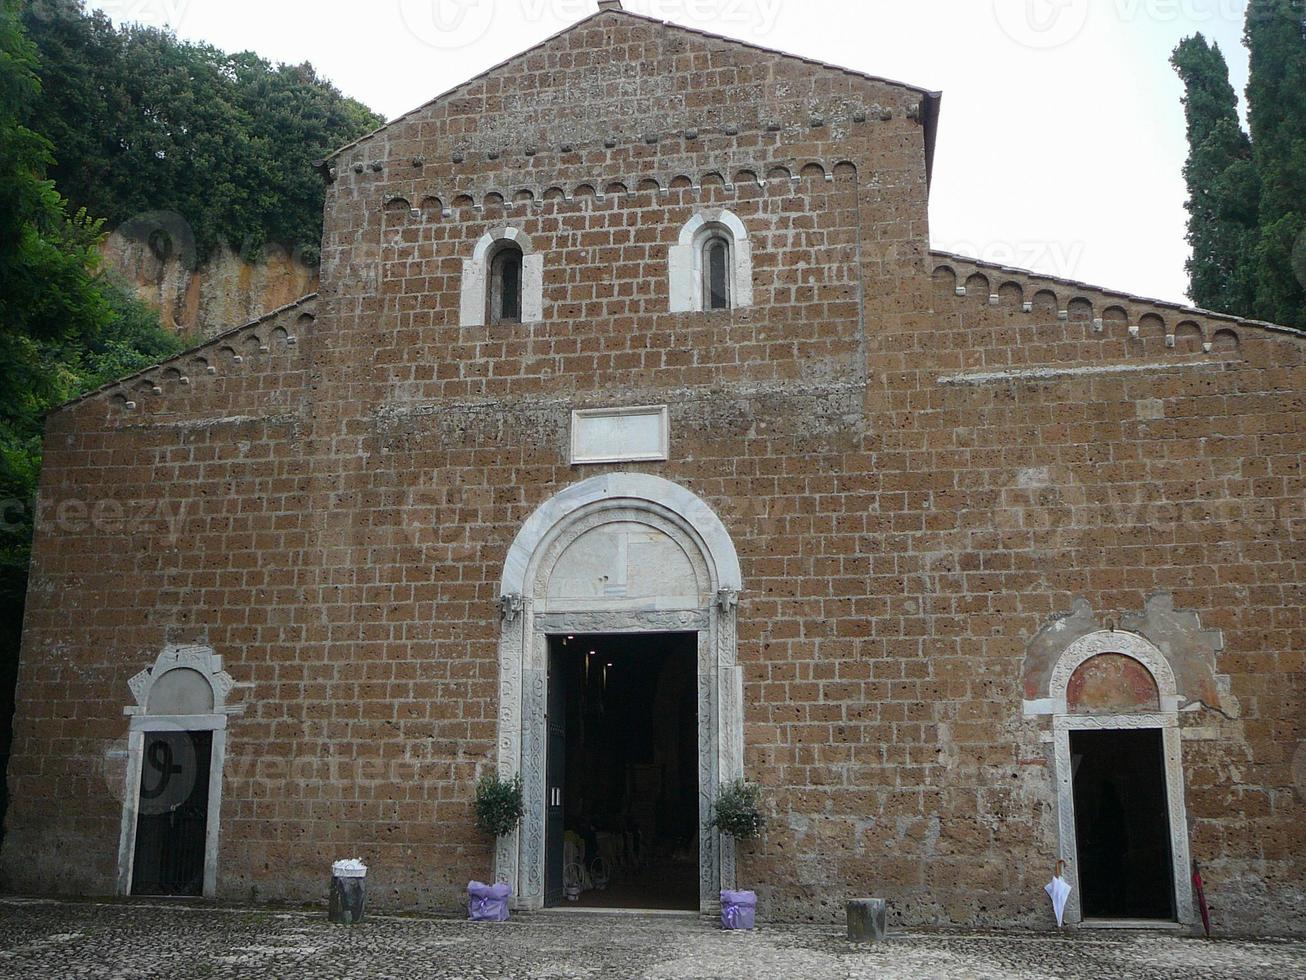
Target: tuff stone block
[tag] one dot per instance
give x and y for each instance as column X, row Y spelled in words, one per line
column 867, row 920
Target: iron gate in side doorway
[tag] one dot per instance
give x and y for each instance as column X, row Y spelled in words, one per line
column 172, row 820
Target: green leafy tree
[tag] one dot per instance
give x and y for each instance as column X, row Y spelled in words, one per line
column 47, row 296
column 296, row 118
column 1223, row 187
column 145, row 123
column 1276, row 111
column 64, row 329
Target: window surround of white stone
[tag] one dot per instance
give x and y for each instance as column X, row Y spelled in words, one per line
column 685, row 260
column 620, row 435
column 476, row 278
column 151, row 716
column 694, row 589
column 1166, row 720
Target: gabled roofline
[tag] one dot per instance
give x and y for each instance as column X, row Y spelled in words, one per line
column 814, row 62
column 930, row 99
column 211, row 341
column 1117, row 294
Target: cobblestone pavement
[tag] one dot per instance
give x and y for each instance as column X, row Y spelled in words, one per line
column 67, row 940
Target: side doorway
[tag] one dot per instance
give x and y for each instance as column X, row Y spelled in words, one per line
column 172, row 775
column 172, row 814
column 1122, row 825
column 1118, row 756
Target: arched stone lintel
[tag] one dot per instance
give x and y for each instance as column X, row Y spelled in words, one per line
column 720, row 216
column 475, row 280
column 504, row 234
column 684, row 262
column 1126, row 644
column 635, row 487
column 199, row 659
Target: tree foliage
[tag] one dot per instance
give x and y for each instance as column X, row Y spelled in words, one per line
column 1223, row 187
column 737, row 812
column 64, row 327
column 145, row 123
column 1276, row 111
column 498, row 804
column 1247, row 194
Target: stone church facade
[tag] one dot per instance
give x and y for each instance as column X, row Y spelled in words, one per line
column 640, row 334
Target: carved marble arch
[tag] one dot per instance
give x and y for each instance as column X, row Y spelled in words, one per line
column 185, row 690
column 618, row 553
column 1113, row 642
column 1118, row 643
column 615, row 555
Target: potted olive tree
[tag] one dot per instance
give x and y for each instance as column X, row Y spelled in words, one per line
column 738, row 814
column 499, row 810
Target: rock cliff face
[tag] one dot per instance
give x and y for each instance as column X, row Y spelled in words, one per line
column 206, row 299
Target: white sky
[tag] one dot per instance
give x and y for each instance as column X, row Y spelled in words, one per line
column 1062, row 136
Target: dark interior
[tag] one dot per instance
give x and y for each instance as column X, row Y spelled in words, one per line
column 172, row 819
column 626, row 833
column 1122, row 825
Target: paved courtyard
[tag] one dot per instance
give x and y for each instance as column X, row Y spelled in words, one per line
column 66, row 940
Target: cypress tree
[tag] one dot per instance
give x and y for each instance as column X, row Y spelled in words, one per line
column 1276, row 100
column 1223, row 188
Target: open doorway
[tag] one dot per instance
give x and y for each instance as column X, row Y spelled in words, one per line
column 172, row 820
column 1122, row 824
column 622, row 791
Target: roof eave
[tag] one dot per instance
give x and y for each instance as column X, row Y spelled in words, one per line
column 931, row 105
column 1179, row 308
column 180, row 355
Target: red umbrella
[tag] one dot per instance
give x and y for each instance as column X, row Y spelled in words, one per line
column 1200, row 887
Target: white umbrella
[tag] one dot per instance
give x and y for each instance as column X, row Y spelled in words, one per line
column 1058, row 890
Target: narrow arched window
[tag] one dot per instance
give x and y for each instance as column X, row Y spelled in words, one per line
column 505, row 293
column 710, row 268
column 716, row 273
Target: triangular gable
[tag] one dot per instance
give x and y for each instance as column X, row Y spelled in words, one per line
column 930, row 100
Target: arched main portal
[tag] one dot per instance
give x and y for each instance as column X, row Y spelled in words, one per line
column 617, row 554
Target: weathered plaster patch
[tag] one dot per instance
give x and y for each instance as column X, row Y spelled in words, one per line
column 1190, row 650
column 1047, row 646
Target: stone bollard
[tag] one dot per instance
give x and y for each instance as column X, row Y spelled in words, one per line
column 867, row 920
column 348, row 892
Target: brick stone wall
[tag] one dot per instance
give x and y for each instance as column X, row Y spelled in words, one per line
column 918, row 483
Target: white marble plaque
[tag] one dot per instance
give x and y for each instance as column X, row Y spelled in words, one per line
column 620, row 435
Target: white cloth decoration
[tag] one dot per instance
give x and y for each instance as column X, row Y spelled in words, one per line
column 351, row 868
